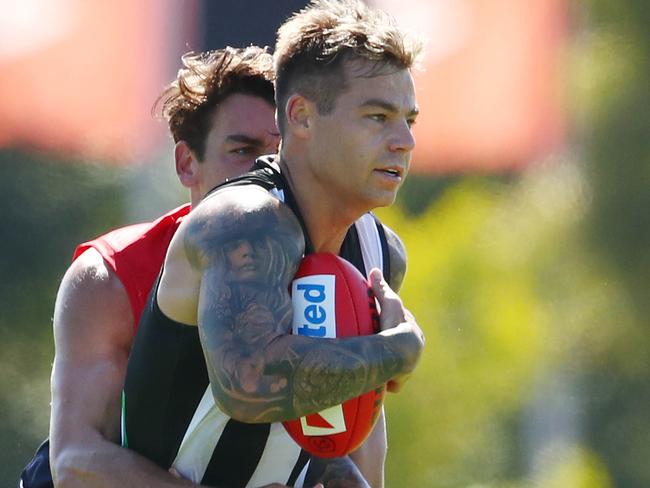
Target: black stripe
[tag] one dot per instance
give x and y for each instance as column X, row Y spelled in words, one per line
column 300, row 463
column 237, row 454
column 384, row 250
column 351, row 250
column 159, row 400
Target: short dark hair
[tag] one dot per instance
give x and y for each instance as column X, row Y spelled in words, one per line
column 314, row 44
column 207, row 79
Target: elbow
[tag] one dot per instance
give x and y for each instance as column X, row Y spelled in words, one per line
column 251, row 406
column 67, row 468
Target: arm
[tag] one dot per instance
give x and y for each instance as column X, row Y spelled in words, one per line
column 258, row 371
column 370, row 457
column 93, row 332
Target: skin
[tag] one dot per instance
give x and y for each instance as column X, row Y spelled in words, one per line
column 346, row 162
column 351, row 152
column 93, row 323
column 93, row 329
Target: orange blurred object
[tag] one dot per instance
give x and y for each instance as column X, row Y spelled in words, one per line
column 490, row 94
column 80, row 77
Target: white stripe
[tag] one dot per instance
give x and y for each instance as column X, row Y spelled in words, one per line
column 200, row 439
column 277, row 193
column 280, row 451
column 370, row 242
column 300, row 481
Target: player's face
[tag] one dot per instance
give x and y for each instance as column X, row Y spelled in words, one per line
column 362, row 149
column 243, row 128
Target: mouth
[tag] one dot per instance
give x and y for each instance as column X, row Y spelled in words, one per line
column 392, row 172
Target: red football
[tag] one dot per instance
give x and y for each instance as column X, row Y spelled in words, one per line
column 331, row 298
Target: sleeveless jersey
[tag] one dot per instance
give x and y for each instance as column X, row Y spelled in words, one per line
column 169, row 414
column 136, row 253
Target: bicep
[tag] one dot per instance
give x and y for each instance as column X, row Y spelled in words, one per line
column 93, row 330
column 247, row 255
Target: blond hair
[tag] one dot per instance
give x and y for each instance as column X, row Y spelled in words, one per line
column 314, row 44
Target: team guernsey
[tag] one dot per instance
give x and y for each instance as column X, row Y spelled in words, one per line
column 169, row 414
column 136, row 253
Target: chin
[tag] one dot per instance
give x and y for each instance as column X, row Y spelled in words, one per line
column 383, row 200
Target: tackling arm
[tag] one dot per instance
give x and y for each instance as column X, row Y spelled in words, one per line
column 93, row 331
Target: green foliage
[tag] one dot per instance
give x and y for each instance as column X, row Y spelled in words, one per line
column 510, row 297
column 49, row 207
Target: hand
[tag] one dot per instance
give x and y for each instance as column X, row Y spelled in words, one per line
column 395, row 319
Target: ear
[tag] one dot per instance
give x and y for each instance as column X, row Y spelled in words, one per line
column 186, row 165
column 299, row 111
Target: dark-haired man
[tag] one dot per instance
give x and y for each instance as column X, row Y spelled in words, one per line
column 221, row 114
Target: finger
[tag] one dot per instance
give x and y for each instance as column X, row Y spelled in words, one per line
column 382, row 290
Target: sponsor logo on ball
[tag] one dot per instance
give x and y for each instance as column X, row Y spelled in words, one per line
column 314, row 315
column 314, row 306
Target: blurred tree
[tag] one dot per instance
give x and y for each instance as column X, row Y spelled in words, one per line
column 48, row 208
column 616, row 58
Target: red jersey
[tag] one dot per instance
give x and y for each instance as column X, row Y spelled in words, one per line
column 136, row 253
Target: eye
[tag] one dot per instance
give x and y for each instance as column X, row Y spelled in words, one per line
column 243, row 150
column 381, row 118
column 411, row 122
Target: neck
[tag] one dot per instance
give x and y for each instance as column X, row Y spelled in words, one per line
column 327, row 219
column 195, row 197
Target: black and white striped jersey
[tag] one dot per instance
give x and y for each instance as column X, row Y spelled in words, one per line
column 168, row 411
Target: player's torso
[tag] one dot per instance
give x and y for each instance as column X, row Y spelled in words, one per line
column 169, row 412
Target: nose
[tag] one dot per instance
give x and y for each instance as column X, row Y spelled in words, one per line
column 402, row 139
column 245, row 249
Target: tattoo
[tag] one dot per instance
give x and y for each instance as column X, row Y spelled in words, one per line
column 328, row 374
column 335, row 473
column 247, row 256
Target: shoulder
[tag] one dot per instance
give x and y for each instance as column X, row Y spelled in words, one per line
column 397, row 256
column 237, row 213
column 135, row 238
column 90, row 269
column 92, row 303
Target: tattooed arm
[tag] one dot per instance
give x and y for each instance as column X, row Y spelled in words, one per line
column 246, row 246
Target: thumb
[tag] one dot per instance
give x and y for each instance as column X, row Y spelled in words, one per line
column 382, row 290
column 391, row 310
column 377, row 282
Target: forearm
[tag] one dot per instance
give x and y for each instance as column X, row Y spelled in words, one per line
column 371, row 456
column 293, row 376
column 100, row 463
column 335, row 473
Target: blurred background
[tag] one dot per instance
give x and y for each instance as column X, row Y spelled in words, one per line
column 526, row 217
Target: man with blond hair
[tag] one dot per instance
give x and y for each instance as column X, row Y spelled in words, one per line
column 346, row 104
